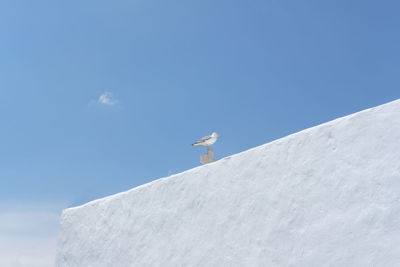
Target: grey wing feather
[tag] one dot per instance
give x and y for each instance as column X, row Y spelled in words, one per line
column 205, row 138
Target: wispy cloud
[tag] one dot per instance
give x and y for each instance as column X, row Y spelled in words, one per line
column 28, row 252
column 107, row 98
column 28, row 235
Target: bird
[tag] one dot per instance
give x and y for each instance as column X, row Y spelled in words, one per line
column 207, row 140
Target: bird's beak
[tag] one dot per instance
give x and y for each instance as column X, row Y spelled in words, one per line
column 219, row 136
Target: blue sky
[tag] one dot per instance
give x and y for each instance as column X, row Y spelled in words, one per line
column 171, row 72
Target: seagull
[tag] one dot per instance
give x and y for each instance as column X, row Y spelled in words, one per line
column 207, row 140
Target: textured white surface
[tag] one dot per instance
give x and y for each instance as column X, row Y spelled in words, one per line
column 326, row 196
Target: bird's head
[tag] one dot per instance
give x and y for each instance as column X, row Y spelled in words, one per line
column 215, row 135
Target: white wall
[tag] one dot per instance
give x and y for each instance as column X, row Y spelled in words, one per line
column 326, row 196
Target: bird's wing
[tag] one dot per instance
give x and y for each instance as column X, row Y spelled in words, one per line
column 205, row 138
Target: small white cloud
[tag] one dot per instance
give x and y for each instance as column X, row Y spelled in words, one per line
column 107, row 98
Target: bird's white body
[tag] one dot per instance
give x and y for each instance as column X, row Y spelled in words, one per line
column 207, row 140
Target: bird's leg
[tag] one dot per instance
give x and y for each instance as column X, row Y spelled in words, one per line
column 208, row 149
